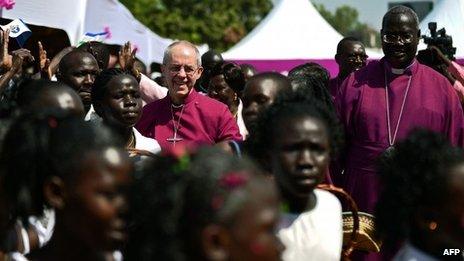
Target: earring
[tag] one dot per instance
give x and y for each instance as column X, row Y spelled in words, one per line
column 433, row 225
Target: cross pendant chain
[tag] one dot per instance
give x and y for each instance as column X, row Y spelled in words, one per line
column 174, row 139
column 392, row 138
column 175, row 127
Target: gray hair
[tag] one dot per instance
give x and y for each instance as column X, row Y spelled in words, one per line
column 167, row 52
column 401, row 9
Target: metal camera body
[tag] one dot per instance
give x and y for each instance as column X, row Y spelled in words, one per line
column 441, row 40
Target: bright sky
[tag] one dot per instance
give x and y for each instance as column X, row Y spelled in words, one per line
column 370, row 11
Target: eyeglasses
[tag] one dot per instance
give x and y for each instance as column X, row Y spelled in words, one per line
column 354, row 58
column 394, row 38
column 176, row 69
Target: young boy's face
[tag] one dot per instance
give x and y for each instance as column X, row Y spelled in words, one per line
column 122, row 104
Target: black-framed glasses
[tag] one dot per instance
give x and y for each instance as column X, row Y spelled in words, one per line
column 394, row 38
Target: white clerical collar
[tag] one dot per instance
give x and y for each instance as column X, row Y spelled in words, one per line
column 401, row 71
column 397, row 71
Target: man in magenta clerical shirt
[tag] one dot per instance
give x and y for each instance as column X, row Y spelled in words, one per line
column 383, row 101
column 184, row 117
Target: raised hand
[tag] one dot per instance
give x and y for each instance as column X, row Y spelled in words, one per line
column 57, row 58
column 127, row 60
column 439, row 54
column 44, row 63
column 127, row 56
column 19, row 57
column 17, row 60
column 5, row 57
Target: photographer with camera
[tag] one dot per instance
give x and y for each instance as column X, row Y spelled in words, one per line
column 439, row 55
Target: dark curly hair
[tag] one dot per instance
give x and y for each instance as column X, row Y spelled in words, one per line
column 312, row 71
column 170, row 205
column 416, row 175
column 290, row 105
column 233, row 75
column 313, row 87
column 9, row 96
column 42, row 144
column 99, row 51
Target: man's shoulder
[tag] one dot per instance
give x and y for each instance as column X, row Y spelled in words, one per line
column 367, row 75
column 155, row 105
column 432, row 77
column 430, row 73
column 210, row 105
column 373, row 66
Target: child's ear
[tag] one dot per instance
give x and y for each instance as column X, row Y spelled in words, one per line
column 215, row 242
column 54, row 192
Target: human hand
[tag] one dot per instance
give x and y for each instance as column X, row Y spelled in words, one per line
column 127, row 60
column 439, row 54
column 57, row 58
column 127, row 56
column 19, row 57
column 5, row 57
column 17, row 62
column 44, row 62
column 24, row 54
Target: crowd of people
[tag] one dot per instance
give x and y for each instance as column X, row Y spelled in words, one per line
column 210, row 160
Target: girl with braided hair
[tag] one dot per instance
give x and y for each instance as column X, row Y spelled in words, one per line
column 222, row 208
column 75, row 172
column 294, row 138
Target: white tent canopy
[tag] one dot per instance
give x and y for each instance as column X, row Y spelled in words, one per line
column 450, row 15
column 66, row 15
column 293, row 29
column 76, row 17
column 124, row 27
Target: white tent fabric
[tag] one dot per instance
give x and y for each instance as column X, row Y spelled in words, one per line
column 77, row 17
column 293, row 29
column 450, row 15
column 124, row 27
column 68, row 15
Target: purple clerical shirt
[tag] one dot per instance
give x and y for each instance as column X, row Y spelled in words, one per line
column 431, row 103
column 334, row 86
column 202, row 121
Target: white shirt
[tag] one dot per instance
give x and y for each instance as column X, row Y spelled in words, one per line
column 240, row 122
column 92, row 115
column 410, row 253
column 316, row 234
column 144, row 143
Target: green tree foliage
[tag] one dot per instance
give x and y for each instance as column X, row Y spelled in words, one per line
column 219, row 23
column 345, row 21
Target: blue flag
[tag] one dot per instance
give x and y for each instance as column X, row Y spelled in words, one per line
column 18, row 30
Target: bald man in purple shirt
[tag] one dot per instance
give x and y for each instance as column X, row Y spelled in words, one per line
column 382, row 102
column 184, row 117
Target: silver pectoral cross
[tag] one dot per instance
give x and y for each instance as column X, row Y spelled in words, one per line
column 174, row 139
